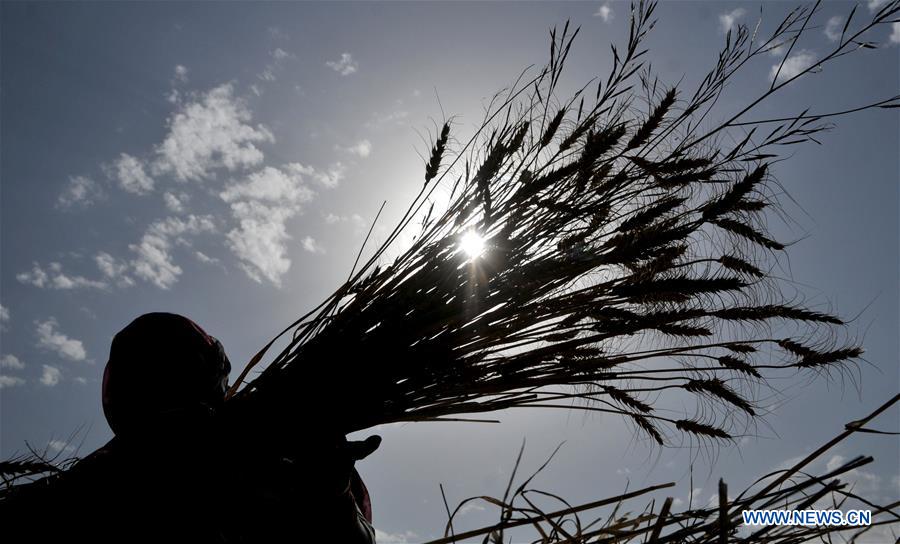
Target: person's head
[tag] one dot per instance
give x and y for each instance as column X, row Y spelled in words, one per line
column 161, row 366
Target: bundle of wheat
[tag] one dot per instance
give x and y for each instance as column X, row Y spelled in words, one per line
column 578, row 250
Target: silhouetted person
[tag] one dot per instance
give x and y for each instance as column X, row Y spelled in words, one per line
column 182, row 467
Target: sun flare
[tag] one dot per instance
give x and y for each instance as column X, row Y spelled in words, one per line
column 472, row 244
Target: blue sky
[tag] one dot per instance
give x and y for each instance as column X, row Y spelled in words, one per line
column 223, row 160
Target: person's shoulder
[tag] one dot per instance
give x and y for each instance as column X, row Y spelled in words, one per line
column 101, row 460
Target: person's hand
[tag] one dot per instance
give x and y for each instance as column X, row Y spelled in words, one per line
column 345, row 455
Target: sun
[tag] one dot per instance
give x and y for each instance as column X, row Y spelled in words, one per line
column 472, row 244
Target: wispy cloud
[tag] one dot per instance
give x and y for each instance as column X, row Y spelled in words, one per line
column 793, row 65
column 865, row 483
column 728, row 20
column 395, row 118
column 10, row 381
column 895, row 33
column 80, row 191
column 175, row 202
column 113, row 270
column 362, row 149
column 211, row 133
column 180, row 77
column 269, row 73
column 54, row 278
column 470, row 506
column 262, row 204
column 309, row 244
column 4, row 317
column 273, row 185
column 875, row 5
column 12, row 362
column 153, row 261
column 51, row 339
column 833, row 28
column 57, row 446
column 129, row 171
column 395, row 538
column 331, row 177
column 345, row 66
column 276, row 33
column 50, row 376
column 356, row 220
column 204, row 258
column 605, row 12
column 181, row 73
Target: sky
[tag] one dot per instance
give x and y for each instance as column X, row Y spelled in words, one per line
column 224, row 161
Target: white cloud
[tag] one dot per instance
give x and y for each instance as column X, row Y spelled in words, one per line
column 895, row 33
column 175, row 203
column 395, row 118
column 604, row 12
column 331, row 177
column 37, row 277
column 55, row 278
column 262, row 204
column 779, row 49
column 10, row 381
column 793, row 65
column 471, row 506
column 51, row 339
column 4, row 317
column 153, row 262
column 835, row 462
column 865, row 483
column 833, row 28
column 79, row 380
column 210, row 133
column 309, row 244
column 356, row 220
column 204, row 258
column 728, row 20
column 268, row 74
column 382, row 537
column 132, row 178
column 345, row 66
column 875, row 5
column 276, row 33
column 50, row 376
column 81, row 191
column 273, row 185
column 361, row 149
column 181, row 73
column 57, row 446
column 11, row 361
column 113, row 269
column 259, row 240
